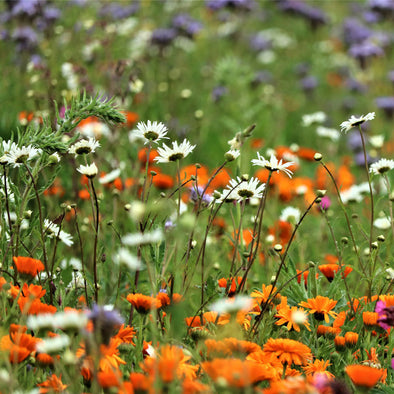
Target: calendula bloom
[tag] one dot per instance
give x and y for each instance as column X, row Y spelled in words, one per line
column 28, row 266
column 318, row 367
column 364, row 375
column 329, row 270
column 170, row 363
column 90, row 170
column 381, row 166
column 177, row 152
column 321, row 307
column 339, row 342
column 351, row 338
column 236, row 373
column 150, row 131
column 292, row 317
column 53, row 384
column 288, row 351
column 16, row 156
column 267, row 292
column 356, row 121
column 230, row 347
column 83, row 147
column 292, row 384
column 273, row 164
column 143, row 303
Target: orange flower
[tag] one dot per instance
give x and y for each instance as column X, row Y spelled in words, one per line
column 364, row 375
column 140, row 382
column 143, row 154
column 288, row 351
column 235, row 282
column 262, row 296
column 170, row 363
column 237, row 372
column 339, row 342
column 351, row 338
column 292, row 317
column 195, row 321
column 131, row 118
column 230, row 347
column 306, row 153
column 220, row 181
column 28, row 266
column 52, row 385
column 329, row 270
column 370, row 319
column 321, row 307
column 190, row 386
column 109, row 378
column 143, row 303
column 319, row 367
column 163, row 181
column 126, row 334
column 291, row 385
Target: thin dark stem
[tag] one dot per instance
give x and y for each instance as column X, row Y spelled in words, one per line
column 370, row 187
column 96, row 228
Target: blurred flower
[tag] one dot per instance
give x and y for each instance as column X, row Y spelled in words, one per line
column 387, row 104
column 381, row 166
column 332, row 134
column 28, row 266
column 383, row 223
column 90, row 170
column 364, row 375
column 54, row 344
column 290, row 214
column 163, row 36
column 143, row 238
column 186, row 25
column 124, row 257
column 362, row 52
column 83, row 147
column 232, row 154
column 356, row 121
column 316, row 117
column 232, row 305
column 218, row 92
column 177, row 152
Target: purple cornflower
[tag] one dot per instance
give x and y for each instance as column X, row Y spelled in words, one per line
column 196, row 193
column 387, row 104
column 215, row 5
column 386, row 315
column 186, row 25
column 309, row 83
column 364, row 51
column 105, row 321
column 359, row 159
column 117, row 12
column 355, row 32
column 259, row 43
column 385, row 7
column 218, row 92
column 163, row 36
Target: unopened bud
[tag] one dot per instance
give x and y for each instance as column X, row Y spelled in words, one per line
column 318, row 156
column 127, row 207
column 374, row 245
column 345, row 240
column 245, row 177
column 318, row 200
column 311, row 264
column 321, row 193
column 381, row 238
column 278, row 247
column 153, row 173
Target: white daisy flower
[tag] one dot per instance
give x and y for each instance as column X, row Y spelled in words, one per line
column 90, row 170
column 52, row 231
column 17, row 156
column 141, row 239
column 376, row 141
column 40, row 321
column 232, row 305
column 69, row 320
column 382, row 223
column 110, row 177
column 290, row 214
column 83, row 147
column 356, row 121
column 353, row 194
column 235, row 143
column 241, row 190
column 326, row 132
column 232, row 154
column 317, row 117
column 177, row 152
column 8, row 146
column 150, row 131
column 124, row 257
column 273, row 164
column 381, row 166
column 53, row 345
column 390, row 272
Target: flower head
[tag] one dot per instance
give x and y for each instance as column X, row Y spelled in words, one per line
column 28, row 266
column 289, row 351
column 240, row 190
column 273, row 164
column 54, row 231
column 83, row 147
column 356, row 121
column 150, row 131
column 321, row 307
column 381, row 166
column 177, row 152
column 90, row 170
column 17, row 156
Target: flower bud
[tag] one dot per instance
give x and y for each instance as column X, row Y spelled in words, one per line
column 318, row 156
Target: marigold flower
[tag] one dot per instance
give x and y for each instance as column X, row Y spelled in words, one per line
column 317, row 367
column 52, row 385
column 351, row 338
column 237, row 373
column 230, row 347
column 339, row 342
column 288, row 351
column 143, row 303
column 28, row 266
column 321, row 307
column 364, row 375
column 329, row 270
column 292, row 317
column 292, row 384
column 370, row 319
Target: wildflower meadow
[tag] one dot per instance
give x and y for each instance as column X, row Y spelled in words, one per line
column 196, row 196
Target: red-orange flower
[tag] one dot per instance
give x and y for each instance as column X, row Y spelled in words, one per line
column 292, row 317
column 52, row 385
column 329, row 270
column 143, row 303
column 321, row 307
column 364, row 375
column 237, row 373
column 288, row 351
column 28, row 266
